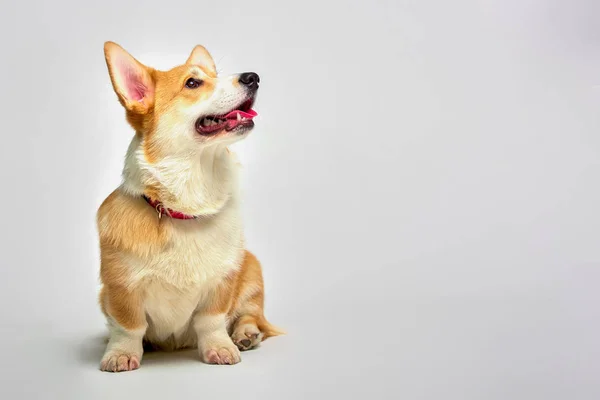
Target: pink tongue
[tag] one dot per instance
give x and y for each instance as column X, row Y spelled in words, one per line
column 244, row 114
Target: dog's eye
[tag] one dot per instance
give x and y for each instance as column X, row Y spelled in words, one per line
column 193, row 83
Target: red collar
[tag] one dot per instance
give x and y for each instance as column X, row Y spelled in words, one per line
column 160, row 209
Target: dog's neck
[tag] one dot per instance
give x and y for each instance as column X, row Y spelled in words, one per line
column 199, row 183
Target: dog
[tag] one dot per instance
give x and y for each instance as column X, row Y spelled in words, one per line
column 174, row 268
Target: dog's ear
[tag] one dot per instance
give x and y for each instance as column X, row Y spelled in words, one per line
column 200, row 56
column 131, row 80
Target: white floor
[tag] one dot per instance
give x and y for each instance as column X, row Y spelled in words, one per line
column 422, row 189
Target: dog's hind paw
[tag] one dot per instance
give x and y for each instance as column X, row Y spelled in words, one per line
column 247, row 336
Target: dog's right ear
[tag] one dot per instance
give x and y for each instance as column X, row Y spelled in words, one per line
column 131, row 80
column 200, row 56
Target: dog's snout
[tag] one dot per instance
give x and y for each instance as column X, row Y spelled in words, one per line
column 250, row 79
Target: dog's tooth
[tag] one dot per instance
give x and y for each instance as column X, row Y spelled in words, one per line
column 239, row 117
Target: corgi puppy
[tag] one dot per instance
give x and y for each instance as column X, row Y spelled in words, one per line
column 175, row 272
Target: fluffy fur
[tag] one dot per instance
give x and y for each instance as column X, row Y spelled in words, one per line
column 169, row 283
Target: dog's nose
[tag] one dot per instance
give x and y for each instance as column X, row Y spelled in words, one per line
column 250, row 79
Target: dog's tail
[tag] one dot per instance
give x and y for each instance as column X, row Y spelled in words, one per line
column 268, row 329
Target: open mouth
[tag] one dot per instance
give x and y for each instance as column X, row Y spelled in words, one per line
column 240, row 118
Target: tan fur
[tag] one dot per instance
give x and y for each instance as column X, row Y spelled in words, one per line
column 127, row 224
column 125, row 306
column 174, row 283
column 241, row 297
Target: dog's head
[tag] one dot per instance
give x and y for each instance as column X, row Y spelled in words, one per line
column 186, row 108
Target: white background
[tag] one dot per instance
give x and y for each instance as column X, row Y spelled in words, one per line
column 422, row 188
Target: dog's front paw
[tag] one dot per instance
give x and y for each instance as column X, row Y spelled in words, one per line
column 224, row 354
column 118, row 361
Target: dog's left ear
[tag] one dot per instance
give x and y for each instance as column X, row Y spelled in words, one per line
column 131, row 80
column 200, row 56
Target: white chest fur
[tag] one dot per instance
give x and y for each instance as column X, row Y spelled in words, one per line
column 180, row 279
column 200, row 253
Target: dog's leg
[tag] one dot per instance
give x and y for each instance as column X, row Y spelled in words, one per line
column 214, row 344
column 211, row 322
column 127, row 325
column 236, row 308
column 250, row 327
